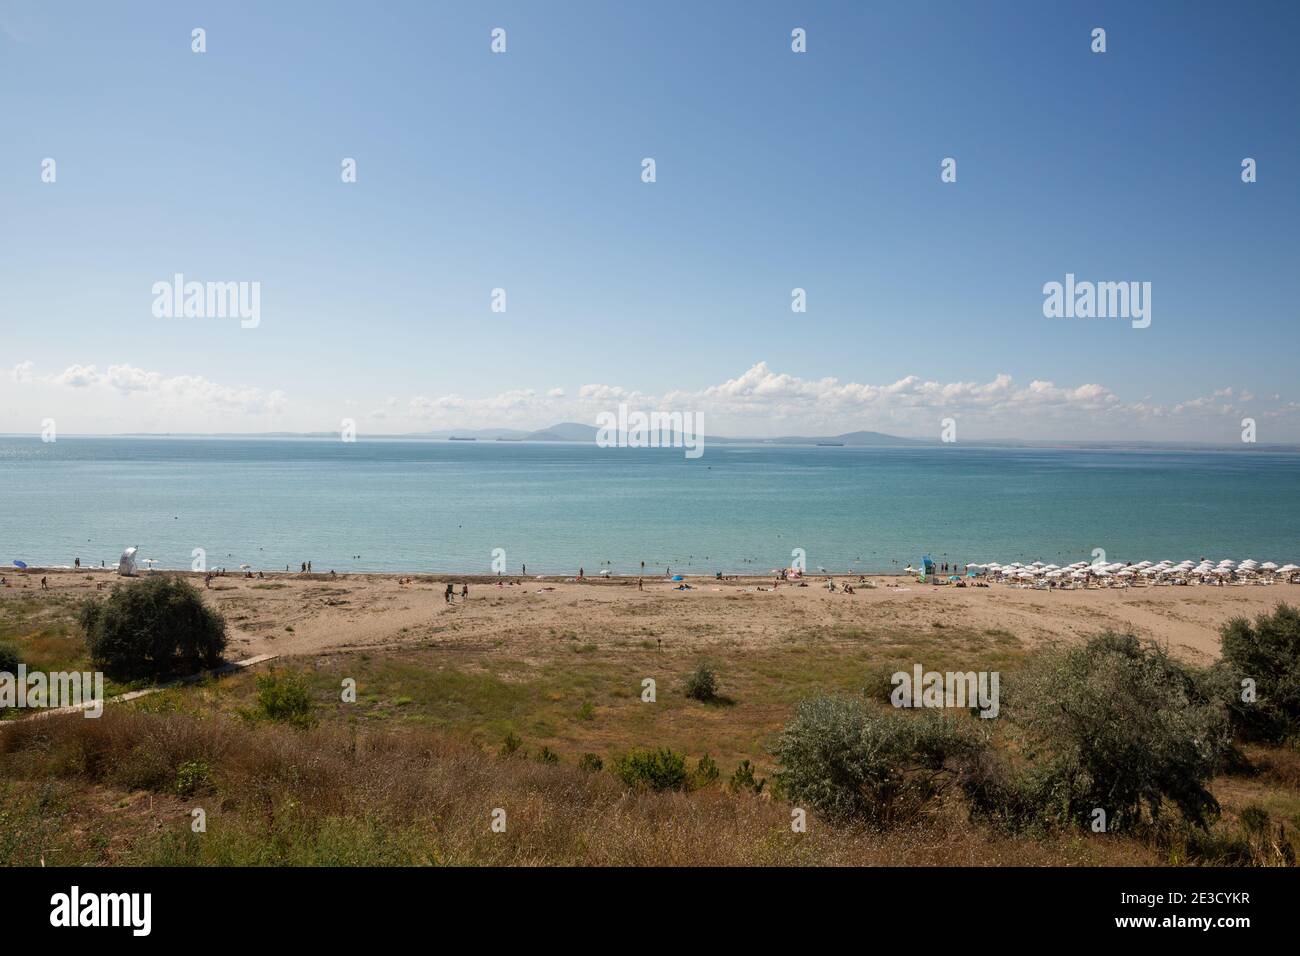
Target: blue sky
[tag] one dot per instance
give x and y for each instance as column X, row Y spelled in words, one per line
column 775, row 170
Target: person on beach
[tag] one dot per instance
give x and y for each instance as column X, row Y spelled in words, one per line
column 640, row 585
column 464, row 590
column 449, row 594
column 579, row 573
column 44, row 586
column 76, row 562
column 309, row 567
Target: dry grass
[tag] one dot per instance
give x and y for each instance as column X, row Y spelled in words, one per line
column 278, row 796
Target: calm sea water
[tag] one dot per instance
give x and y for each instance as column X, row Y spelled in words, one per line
column 444, row 506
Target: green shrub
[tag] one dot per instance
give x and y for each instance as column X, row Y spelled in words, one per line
column 547, row 755
column 9, row 658
column 702, row 685
column 879, row 684
column 743, row 779
column 659, row 769
column 192, row 776
column 156, row 628
column 510, row 746
column 587, row 711
column 1114, row 723
column 284, row 698
column 706, row 772
column 1268, row 653
column 849, row 760
column 591, row 763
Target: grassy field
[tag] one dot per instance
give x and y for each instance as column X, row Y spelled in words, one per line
column 43, row 626
column 577, row 697
column 412, row 772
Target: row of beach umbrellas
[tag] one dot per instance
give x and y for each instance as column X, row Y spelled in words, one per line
column 1118, row 572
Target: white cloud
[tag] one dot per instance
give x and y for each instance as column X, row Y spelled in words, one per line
column 77, row 376
column 759, row 402
column 182, row 390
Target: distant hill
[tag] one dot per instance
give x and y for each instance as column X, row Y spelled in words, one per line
column 565, row 431
column 848, row 438
column 573, row 431
column 486, row 434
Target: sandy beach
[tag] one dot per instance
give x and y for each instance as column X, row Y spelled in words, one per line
column 303, row 615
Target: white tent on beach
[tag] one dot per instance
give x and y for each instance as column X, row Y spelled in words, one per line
column 126, row 563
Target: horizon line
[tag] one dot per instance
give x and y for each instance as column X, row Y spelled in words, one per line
column 784, row 440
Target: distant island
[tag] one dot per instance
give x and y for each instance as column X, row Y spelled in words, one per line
column 563, row 432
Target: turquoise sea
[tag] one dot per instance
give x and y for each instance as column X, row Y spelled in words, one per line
column 445, row 506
